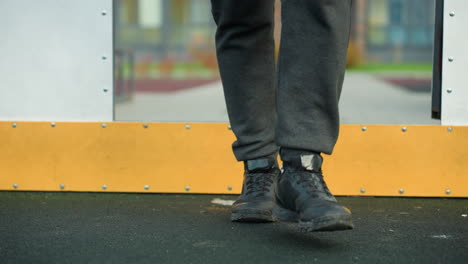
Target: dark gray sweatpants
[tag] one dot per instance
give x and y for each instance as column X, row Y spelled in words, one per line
column 293, row 105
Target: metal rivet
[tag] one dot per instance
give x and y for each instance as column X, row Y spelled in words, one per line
column 401, row 191
column 104, row 12
column 404, row 129
column 449, row 90
column 229, row 188
column 13, row 125
column 15, row 186
column 448, row 191
column 105, row 90
column 452, row 14
column 363, row 190
column 364, row 128
column 104, row 187
column 187, row 188
column 229, row 127
column 449, row 129
column 145, row 125
column 187, row 126
column 450, row 59
column 104, row 125
column 62, row 186
column 104, row 57
column 147, row 187
column 52, row 124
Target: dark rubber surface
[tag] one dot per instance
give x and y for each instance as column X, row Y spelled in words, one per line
column 147, row 228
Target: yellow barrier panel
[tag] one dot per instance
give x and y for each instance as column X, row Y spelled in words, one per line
column 375, row 160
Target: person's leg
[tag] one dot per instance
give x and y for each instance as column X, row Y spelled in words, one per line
column 311, row 70
column 245, row 51
column 314, row 40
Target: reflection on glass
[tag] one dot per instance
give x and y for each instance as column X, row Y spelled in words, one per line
column 166, row 67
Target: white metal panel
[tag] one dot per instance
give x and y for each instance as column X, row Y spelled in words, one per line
column 56, row 60
column 455, row 64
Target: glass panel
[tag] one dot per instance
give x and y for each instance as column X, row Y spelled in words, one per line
column 168, row 51
column 166, row 67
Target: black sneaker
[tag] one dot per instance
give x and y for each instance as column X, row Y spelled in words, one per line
column 258, row 197
column 301, row 189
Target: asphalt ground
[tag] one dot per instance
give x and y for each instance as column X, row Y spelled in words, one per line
column 47, row 227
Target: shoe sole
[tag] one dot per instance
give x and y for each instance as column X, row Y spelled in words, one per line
column 252, row 216
column 322, row 224
column 328, row 223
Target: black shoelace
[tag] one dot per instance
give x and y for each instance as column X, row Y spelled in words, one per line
column 313, row 183
column 258, row 184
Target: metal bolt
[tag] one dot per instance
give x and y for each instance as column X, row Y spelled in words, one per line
column 104, row 12
column 105, row 90
column 363, row 190
column 62, row 186
column 187, row 126
column 229, row 188
column 449, row 90
column 104, row 187
column 401, row 191
column 145, row 125
column 452, row 14
column 104, row 125
column 449, row 129
column 147, row 187
column 187, row 188
column 364, row 128
column 15, row 186
column 13, row 125
column 448, row 191
column 229, row 127
column 450, row 59
column 404, row 129
column 104, row 57
column 52, row 124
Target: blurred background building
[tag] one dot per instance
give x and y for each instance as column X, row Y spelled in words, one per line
column 394, row 31
column 167, row 46
column 174, row 38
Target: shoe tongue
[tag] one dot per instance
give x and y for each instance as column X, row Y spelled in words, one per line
column 259, row 165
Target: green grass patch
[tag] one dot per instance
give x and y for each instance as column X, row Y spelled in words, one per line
column 411, row 67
